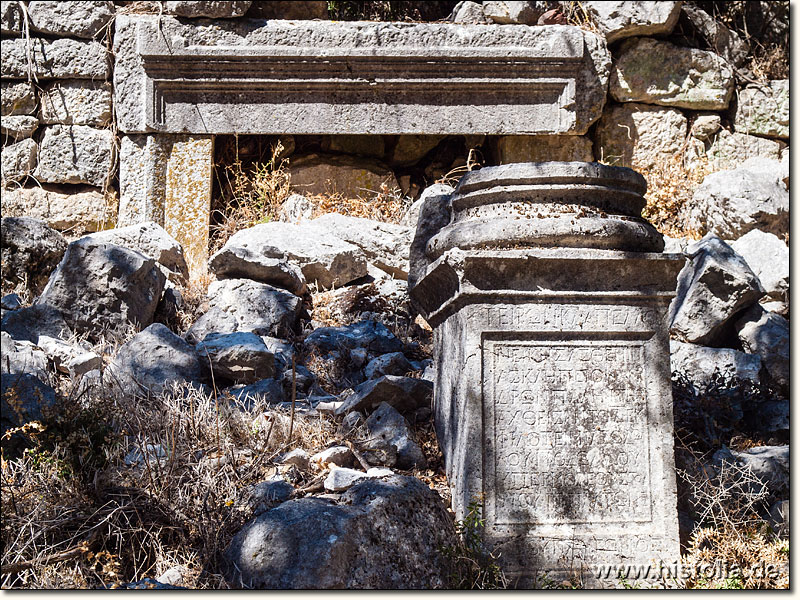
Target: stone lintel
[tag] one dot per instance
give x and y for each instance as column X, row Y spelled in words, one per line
column 323, row 77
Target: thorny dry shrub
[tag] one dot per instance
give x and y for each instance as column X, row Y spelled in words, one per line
column 76, row 515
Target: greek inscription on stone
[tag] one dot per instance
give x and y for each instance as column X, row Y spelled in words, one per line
column 563, row 317
column 568, row 432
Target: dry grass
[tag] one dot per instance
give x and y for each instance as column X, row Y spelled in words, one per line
column 386, row 205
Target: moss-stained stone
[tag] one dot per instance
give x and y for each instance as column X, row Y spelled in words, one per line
column 656, row 72
column 142, row 177
column 764, row 109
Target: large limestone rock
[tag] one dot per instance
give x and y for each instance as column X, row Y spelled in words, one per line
column 151, row 240
column 412, row 214
column 713, row 287
column 373, row 336
column 78, row 19
column 76, row 103
column 17, row 98
column 30, row 251
column 54, row 59
column 699, row 363
column 245, row 258
column 764, row 109
column 245, row 305
column 385, row 245
column 510, row 12
column 639, row 136
column 728, row 150
column 656, row 72
column 241, row 357
column 541, row 148
column 405, row 394
column 22, row 356
column 18, row 127
column 383, row 533
column 17, row 161
column 618, row 20
column 387, row 427
column 768, row 463
column 77, row 209
column 768, row 256
column 351, row 177
column 731, row 203
column 76, row 154
column 32, row 322
column 322, row 258
column 212, row 9
column 722, row 40
column 767, row 334
column 154, row 360
column 103, row 288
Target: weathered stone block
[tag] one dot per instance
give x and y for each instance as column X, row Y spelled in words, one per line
column 78, row 19
column 11, row 17
column 618, row 20
column 540, row 148
column 76, row 154
column 656, row 72
column 17, row 98
column 514, row 12
column 77, row 209
column 17, row 161
column 377, row 78
column 639, row 136
column 351, row 177
column 764, row 109
column 728, row 150
column 212, row 9
column 77, row 103
column 290, row 9
column 552, row 394
column 18, row 127
column 768, row 256
column 57, row 59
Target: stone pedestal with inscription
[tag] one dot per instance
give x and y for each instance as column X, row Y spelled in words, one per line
column 548, row 294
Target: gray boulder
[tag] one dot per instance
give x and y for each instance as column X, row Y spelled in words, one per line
column 322, row 258
column 152, row 240
column 295, row 209
column 731, row 203
column 31, row 322
column 767, row 335
column 339, row 456
column 383, row 533
column 212, row 9
column 24, row 399
column 763, row 109
column 155, row 360
column 341, row 478
column 282, row 350
column 22, row 356
column 268, row 391
column 768, row 463
column 241, row 262
column 403, row 393
column 68, row 358
column 245, row 305
column 268, row 494
column 386, row 426
column 511, row 12
column 713, row 287
column 699, row 363
column 618, row 20
column 372, row 336
column 722, row 40
column 103, row 288
column 241, row 357
column 394, row 363
column 658, row 72
column 412, row 214
column 768, row 256
column 76, row 19
column 30, row 252
column 468, row 13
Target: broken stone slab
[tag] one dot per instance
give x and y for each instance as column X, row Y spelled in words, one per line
column 77, row 102
column 22, row 356
column 75, row 208
column 722, row 40
column 383, row 533
column 211, row 9
column 618, row 20
column 639, row 135
column 511, row 12
column 76, row 154
column 403, row 393
column 69, row 358
column 441, row 62
column 17, row 98
column 72, row 19
column 468, row 13
column 384, row 245
column 245, row 305
column 154, row 361
column 763, row 109
column 699, row 363
column 349, row 176
column 323, row 259
column 769, row 463
column 658, row 72
column 62, row 58
column 732, row 203
column 241, row 357
column 729, row 150
column 297, row 457
column 11, row 18
column 151, row 240
column 25, row 399
column 713, row 287
column 239, row 261
column 370, row 335
column 393, row 363
column 17, row 161
column 31, row 322
column 768, row 256
column 386, row 426
column 339, row 456
column 30, row 251
column 767, row 335
column 705, row 125
column 104, row 289
column 18, row 127
column 541, row 148
column 412, row 214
